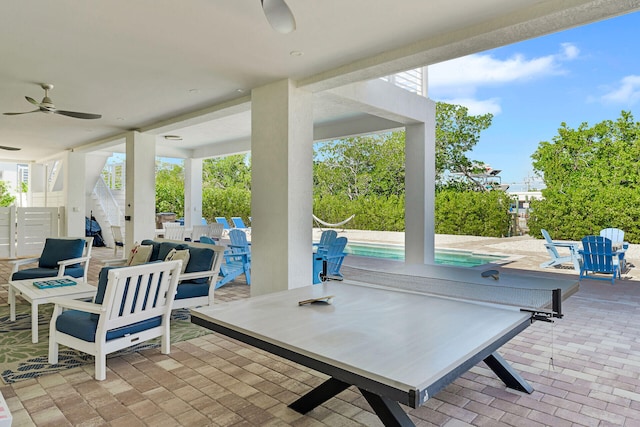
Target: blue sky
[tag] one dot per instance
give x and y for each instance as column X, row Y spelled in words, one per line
column 587, row 74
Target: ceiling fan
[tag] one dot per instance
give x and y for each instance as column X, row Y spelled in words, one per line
column 47, row 106
column 279, row 15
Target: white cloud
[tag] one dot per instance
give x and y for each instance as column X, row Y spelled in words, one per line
column 627, row 92
column 477, row 106
column 460, row 78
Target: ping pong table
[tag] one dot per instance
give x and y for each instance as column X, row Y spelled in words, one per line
column 396, row 345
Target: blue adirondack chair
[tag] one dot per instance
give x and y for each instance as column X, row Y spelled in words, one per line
column 334, row 257
column 237, row 259
column 598, row 257
column 326, row 239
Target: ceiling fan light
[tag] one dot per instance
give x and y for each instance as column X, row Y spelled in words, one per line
column 279, row 16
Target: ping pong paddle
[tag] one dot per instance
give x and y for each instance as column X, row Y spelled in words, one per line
column 491, row 273
column 324, row 300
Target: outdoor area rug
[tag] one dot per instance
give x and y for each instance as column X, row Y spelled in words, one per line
column 20, row 359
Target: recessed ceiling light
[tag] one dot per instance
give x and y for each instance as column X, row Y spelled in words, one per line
column 296, row 53
column 240, row 90
column 173, row 137
column 120, row 119
column 194, row 90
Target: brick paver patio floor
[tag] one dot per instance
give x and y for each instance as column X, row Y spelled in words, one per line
column 585, row 370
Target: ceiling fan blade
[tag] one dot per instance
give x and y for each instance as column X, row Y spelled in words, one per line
column 26, row 112
column 279, row 15
column 77, row 115
column 4, row 147
column 31, row 100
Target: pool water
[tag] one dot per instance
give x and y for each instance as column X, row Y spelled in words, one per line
column 446, row 257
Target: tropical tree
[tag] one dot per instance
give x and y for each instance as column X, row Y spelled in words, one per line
column 170, row 188
column 457, row 133
column 592, row 177
column 6, row 199
column 226, row 187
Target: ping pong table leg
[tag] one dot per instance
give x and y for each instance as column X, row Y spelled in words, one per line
column 389, row 412
column 506, row 373
column 319, row 395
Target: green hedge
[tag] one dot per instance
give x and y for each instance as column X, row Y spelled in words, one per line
column 472, row 213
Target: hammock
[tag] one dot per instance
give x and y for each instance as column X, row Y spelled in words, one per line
column 337, row 224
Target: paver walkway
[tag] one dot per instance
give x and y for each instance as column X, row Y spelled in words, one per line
column 585, row 369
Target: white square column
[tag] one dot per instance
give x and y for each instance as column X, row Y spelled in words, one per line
column 281, row 187
column 192, row 192
column 420, row 175
column 140, row 198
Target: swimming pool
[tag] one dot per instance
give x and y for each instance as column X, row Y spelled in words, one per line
column 442, row 256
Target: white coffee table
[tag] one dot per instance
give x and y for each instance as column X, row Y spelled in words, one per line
column 38, row 296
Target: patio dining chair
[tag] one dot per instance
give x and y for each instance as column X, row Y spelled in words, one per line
column 118, row 239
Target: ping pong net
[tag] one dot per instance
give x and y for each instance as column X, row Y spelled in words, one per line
column 543, row 304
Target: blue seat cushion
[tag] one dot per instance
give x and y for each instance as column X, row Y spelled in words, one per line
column 60, row 249
column 200, row 259
column 39, row 273
column 83, row 325
column 189, row 289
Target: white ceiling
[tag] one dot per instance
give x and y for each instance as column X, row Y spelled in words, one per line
column 143, row 63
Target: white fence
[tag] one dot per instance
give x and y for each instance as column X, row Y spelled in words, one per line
column 23, row 231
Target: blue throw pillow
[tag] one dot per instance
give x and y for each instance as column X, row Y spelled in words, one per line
column 165, row 248
column 200, row 259
column 60, row 249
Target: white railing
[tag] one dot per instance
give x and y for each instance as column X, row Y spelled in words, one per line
column 114, row 175
column 412, row 80
column 108, row 202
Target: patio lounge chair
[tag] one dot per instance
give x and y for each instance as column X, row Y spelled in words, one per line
column 239, row 224
column 225, row 224
column 598, row 257
column 131, row 305
column 556, row 259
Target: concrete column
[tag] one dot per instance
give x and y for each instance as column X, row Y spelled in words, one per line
column 74, row 194
column 140, row 199
column 192, row 192
column 420, row 166
column 281, row 187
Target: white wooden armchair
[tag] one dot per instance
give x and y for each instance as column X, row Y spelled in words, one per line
column 60, row 256
column 132, row 305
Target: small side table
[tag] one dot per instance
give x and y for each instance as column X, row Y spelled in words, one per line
column 38, row 296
